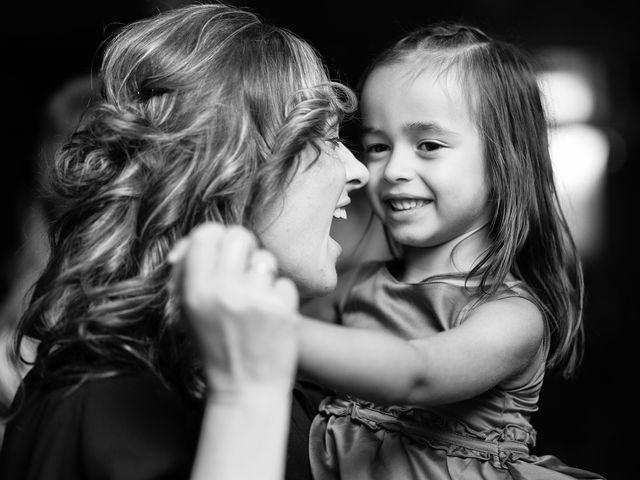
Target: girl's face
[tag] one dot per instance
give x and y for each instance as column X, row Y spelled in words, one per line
column 296, row 228
column 425, row 156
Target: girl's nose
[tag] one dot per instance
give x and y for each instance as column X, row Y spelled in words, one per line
column 396, row 170
column 357, row 173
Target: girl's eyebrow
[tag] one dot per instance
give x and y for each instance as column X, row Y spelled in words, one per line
column 414, row 127
column 367, row 129
column 426, row 127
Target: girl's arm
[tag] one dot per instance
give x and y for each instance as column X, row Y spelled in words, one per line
column 498, row 340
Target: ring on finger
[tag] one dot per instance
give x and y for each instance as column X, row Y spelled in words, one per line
column 263, row 262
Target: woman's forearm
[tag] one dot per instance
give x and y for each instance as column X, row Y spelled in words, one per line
column 248, row 346
column 244, row 437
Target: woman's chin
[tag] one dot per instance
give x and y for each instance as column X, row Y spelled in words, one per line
column 335, row 250
column 319, row 285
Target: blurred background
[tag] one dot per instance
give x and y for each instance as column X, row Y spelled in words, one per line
column 590, row 73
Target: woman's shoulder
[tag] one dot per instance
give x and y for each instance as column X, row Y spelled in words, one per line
column 134, row 396
column 87, row 382
column 102, row 424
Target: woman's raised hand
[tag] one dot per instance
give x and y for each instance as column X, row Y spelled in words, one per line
column 243, row 315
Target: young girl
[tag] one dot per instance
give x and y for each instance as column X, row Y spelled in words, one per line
column 442, row 370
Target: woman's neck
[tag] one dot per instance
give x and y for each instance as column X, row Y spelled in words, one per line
column 458, row 255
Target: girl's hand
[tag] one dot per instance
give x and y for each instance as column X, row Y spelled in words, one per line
column 243, row 315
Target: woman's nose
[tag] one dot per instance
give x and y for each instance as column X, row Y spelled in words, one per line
column 357, row 173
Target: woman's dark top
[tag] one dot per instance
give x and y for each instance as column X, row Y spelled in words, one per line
column 126, row 427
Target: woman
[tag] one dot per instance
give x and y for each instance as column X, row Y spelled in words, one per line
column 208, row 115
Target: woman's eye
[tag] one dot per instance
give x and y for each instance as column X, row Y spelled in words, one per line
column 429, row 146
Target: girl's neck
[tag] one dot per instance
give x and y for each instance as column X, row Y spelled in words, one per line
column 458, row 255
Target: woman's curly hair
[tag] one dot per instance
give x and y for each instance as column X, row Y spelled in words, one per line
column 203, row 114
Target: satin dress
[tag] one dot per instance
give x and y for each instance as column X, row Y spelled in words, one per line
column 486, row 437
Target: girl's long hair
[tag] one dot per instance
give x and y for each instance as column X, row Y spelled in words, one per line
column 204, row 111
column 529, row 235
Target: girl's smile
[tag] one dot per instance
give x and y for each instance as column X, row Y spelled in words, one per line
column 405, row 204
column 425, row 157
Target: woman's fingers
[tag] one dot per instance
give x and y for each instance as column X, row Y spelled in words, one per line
column 287, row 291
column 236, row 248
column 202, row 256
column 263, row 266
column 224, row 265
column 224, row 262
column 178, row 251
column 241, row 312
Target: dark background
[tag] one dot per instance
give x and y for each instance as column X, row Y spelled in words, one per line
column 588, row 422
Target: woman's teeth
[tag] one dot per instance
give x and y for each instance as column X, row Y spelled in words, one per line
column 400, row 205
column 340, row 213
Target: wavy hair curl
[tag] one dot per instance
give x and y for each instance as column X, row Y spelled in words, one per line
column 204, row 112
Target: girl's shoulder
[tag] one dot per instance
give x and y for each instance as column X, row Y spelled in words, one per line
column 513, row 313
column 517, row 294
column 511, row 297
column 511, row 309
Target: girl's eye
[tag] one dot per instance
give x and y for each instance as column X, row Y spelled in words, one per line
column 376, row 148
column 428, row 146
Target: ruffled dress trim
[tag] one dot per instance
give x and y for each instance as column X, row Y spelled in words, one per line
column 497, row 446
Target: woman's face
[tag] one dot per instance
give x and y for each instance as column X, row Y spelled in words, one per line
column 296, row 227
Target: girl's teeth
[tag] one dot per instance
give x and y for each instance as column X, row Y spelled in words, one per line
column 406, row 204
